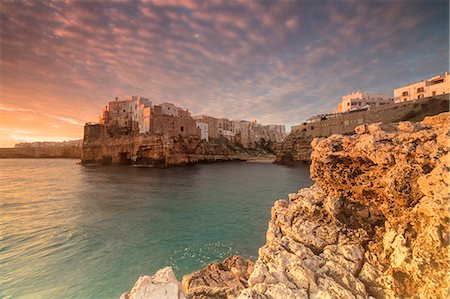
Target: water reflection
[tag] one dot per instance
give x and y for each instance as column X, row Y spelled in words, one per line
column 89, row 232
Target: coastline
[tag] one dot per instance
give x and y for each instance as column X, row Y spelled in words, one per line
column 364, row 239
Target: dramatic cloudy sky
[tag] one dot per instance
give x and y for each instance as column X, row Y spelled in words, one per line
column 274, row 61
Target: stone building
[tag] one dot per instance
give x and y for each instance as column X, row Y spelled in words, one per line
column 433, row 86
column 359, row 99
column 213, row 125
column 171, row 126
column 244, row 132
column 325, row 125
column 132, row 114
column 203, row 130
column 137, row 115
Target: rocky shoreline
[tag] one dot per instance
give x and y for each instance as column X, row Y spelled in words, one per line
column 296, row 148
column 157, row 150
column 375, row 224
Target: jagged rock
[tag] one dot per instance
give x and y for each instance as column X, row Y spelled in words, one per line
column 296, row 147
column 219, row 280
column 162, row 285
column 374, row 225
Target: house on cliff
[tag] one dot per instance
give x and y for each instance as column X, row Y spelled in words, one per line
column 138, row 115
column 437, row 85
column 360, row 99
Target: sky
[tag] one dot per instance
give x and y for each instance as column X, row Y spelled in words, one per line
column 279, row 62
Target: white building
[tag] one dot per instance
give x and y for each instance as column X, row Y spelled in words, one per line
column 169, row 109
column 359, row 99
column 124, row 113
column 203, row 129
column 228, row 134
column 434, row 86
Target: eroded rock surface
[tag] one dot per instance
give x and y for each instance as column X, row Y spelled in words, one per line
column 375, row 223
column 219, row 280
column 162, row 285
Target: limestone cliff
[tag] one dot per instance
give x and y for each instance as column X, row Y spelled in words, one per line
column 296, row 147
column 157, row 149
column 374, row 224
column 219, row 280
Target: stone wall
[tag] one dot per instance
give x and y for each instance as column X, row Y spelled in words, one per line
column 296, row 146
column 173, row 126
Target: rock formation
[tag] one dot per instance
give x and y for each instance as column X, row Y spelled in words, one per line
column 219, row 280
column 162, row 285
column 158, row 150
column 374, row 224
column 296, row 147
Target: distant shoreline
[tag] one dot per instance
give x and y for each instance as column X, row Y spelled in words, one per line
column 60, row 152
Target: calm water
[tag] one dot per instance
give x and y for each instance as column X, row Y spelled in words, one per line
column 68, row 231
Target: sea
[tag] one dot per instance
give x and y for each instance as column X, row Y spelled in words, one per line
column 73, row 231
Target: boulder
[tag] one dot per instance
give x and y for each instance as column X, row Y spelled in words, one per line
column 162, row 285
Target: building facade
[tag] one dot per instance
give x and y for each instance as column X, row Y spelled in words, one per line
column 433, row 86
column 129, row 113
column 203, row 130
column 244, row 132
column 359, row 100
column 137, row 114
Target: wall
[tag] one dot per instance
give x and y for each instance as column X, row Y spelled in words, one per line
column 295, row 148
column 173, row 126
column 213, row 126
column 203, row 129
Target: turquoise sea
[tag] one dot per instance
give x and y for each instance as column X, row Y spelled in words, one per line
column 69, row 231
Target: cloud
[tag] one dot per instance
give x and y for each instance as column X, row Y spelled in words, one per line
column 66, row 119
column 275, row 61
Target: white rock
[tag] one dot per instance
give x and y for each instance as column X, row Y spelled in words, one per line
column 162, row 285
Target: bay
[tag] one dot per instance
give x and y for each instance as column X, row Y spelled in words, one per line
column 69, row 231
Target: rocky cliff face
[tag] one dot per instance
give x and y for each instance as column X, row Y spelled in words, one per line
column 296, row 147
column 219, row 280
column 157, row 149
column 374, row 224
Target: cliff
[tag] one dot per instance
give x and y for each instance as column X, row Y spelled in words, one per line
column 296, row 147
column 374, row 224
column 158, row 149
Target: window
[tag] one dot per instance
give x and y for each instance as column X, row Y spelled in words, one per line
column 420, row 89
column 405, row 93
column 348, row 104
column 182, row 129
column 434, row 93
column 123, row 110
